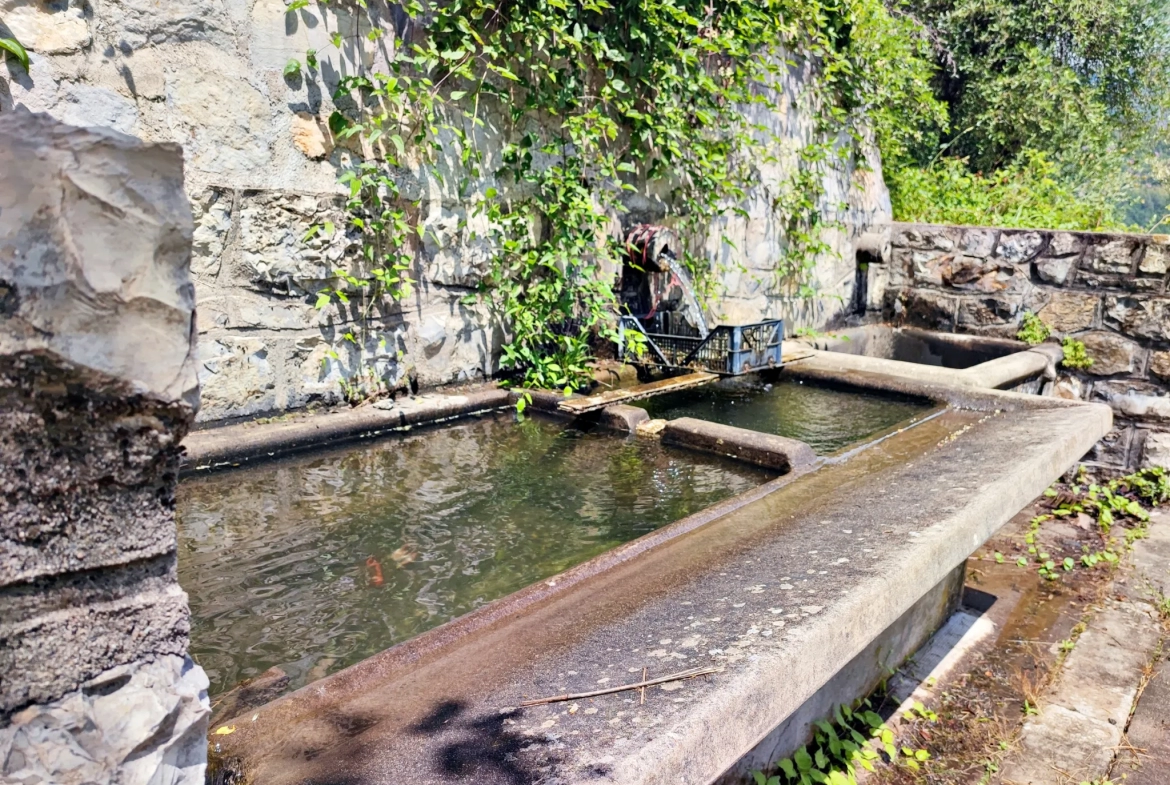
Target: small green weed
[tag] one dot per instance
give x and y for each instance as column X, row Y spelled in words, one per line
column 856, row 738
column 1075, row 355
column 1033, row 330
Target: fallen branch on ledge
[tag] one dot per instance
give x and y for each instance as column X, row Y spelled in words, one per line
column 680, row 676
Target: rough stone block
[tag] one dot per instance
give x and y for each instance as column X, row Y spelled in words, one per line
column 1069, row 387
column 236, row 376
column 926, row 309
column 272, row 253
column 1017, row 246
column 1065, row 244
column 1135, row 400
column 988, row 311
column 143, row 22
column 47, row 27
column 1112, row 256
column 141, row 724
column 1155, row 260
column 971, row 274
column 1067, row 312
column 979, row 243
column 1056, row 271
column 1139, row 317
column 762, row 449
column 925, row 237
column 1113, row 450
column 1123, row 281
column 1111, row 353
column 1160, row 365
column 95, row 243
column 57, row 652
column 1157, row 449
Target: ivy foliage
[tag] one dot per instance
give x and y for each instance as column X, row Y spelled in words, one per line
column 599, row 98
column 1054, row 111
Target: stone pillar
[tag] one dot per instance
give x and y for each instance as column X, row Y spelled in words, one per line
column 97, row 389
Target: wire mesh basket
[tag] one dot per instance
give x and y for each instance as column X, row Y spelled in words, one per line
column 727, row 350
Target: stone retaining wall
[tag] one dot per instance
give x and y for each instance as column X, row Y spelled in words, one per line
column 1107, row 290
column 261, row 168
column 98, row 386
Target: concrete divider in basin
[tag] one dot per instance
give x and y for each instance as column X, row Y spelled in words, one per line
column 762, row 449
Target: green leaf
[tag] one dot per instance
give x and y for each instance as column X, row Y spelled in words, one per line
column 787, row 767
column 292, row 67
column 323, row 300
column 13, row 47
column 803, row 760
column 297, row 5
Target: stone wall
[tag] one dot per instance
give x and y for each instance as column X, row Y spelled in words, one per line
column 261, row 167
column 1107, row 290
column 98, row 386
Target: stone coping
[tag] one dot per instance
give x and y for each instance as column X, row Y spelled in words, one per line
column 779, row 588
column 233, row 445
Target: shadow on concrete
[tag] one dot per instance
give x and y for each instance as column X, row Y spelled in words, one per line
column 483, row 750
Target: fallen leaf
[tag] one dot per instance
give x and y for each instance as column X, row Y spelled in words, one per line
column 224, row 730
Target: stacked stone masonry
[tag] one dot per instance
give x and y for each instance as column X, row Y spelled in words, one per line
column 98, row 386
column 1107, row 290
column 261, row 168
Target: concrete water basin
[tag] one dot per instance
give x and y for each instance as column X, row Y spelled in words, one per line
column 801, row 593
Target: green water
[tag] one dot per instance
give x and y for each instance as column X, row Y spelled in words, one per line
column 274, row 558
column 826, row 419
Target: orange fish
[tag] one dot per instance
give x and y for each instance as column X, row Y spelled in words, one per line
column 375, row 571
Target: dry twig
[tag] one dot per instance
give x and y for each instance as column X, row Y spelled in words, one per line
column 680, row 676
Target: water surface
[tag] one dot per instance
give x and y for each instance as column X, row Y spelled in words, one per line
column 824, row 418
column 314, row 563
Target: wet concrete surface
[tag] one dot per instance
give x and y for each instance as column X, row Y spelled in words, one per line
column 779, row 592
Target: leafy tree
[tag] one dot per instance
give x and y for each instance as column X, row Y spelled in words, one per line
column 1038, row 92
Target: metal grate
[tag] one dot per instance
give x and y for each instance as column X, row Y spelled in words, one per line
column 727, row 350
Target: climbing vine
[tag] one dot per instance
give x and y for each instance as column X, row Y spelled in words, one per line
column 593, row 99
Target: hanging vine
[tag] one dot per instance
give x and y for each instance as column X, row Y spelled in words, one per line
column 598, row 98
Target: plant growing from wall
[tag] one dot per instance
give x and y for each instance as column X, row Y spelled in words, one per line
column 1033, row 331
column 598, row 98
column 1075, row 355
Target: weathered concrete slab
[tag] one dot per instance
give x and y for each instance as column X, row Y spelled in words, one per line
column 762, row 449
column 1082, row 718
column 591, row 403
column 781, row 588
column 1149, row 724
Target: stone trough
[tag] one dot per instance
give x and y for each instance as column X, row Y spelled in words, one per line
column 801, row 593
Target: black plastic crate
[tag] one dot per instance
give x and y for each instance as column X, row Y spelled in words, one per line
column 727, row 350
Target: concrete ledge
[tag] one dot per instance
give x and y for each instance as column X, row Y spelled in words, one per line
column 1016, row 368
column 993, row 374
column 235, row 444
column 761, row 449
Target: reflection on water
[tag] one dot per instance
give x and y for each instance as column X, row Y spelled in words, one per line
column 312, row 564
column 825, row 419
